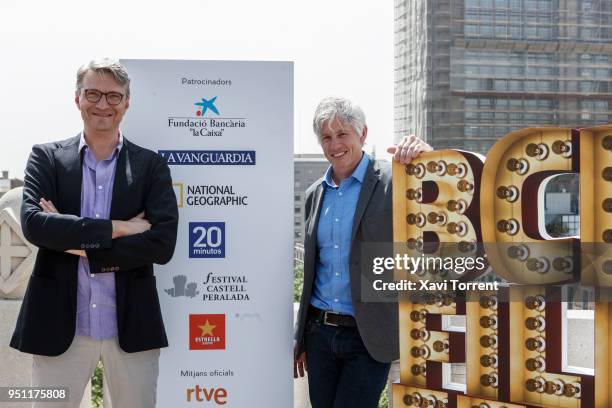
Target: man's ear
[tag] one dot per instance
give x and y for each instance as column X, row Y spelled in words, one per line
column 77, row 99
column 364, row 134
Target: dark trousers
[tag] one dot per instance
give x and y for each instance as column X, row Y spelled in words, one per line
column 341, row 372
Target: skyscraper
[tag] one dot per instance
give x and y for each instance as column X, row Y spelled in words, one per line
column 469, row 71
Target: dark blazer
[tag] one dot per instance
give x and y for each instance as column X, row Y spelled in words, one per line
column 373, row 222
column 47, row 321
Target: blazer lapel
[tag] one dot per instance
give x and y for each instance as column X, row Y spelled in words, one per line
column 70, row 179
column 121, row 181
column 314, row 223
column 310, row 242
column 369, row 183
column 126, row 173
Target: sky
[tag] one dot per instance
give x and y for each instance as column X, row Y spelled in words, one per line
column 339, row 47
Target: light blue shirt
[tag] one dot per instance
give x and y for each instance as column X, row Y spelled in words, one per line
column 96, row 297
column 332, row 288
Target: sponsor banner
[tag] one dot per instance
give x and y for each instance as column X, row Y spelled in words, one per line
column 214, row 287
column 208, row 157
column 226, row 131
column 206, row 332
column 207, row 195
column 206, row 240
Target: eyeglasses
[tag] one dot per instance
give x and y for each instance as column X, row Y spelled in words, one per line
column 94, row 96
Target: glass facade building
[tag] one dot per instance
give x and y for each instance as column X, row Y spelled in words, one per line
column 469, row 71
column 307, row 168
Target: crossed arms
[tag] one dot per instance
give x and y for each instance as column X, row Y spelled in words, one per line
column 110, row 245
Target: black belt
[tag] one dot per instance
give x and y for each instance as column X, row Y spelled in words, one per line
column 330, row 318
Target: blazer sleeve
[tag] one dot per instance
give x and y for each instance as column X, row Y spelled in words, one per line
column 153, row 246
column 58, row 232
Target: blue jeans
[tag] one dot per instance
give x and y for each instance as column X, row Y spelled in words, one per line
column 341, row 372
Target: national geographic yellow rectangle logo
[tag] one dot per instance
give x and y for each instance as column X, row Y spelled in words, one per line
column 178, row 190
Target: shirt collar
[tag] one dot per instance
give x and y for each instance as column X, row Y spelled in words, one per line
column 83, row 142
column 358, row 173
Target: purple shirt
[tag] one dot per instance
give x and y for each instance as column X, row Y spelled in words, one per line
column 96, row 297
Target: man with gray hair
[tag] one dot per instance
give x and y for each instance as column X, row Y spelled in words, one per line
column 102, row 211
column 347, row 344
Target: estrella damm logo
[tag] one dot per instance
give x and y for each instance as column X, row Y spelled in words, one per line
column 207, row 240
column 206, row 332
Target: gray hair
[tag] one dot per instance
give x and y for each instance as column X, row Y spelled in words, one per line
column 107, row 66
column 341, row 108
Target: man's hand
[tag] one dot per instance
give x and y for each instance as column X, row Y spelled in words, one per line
column 299, row 365
column 408, row 148
column 77, row 252
column 136, row 225
column 47, row 206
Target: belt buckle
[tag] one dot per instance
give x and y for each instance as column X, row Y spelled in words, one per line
column 326, row 322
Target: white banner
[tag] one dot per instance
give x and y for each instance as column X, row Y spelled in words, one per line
column 226, row 129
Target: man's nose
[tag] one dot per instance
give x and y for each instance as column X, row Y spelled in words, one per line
column 102, row 103
column 333, row 143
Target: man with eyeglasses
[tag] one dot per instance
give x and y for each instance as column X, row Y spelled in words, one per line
column 102, row 211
